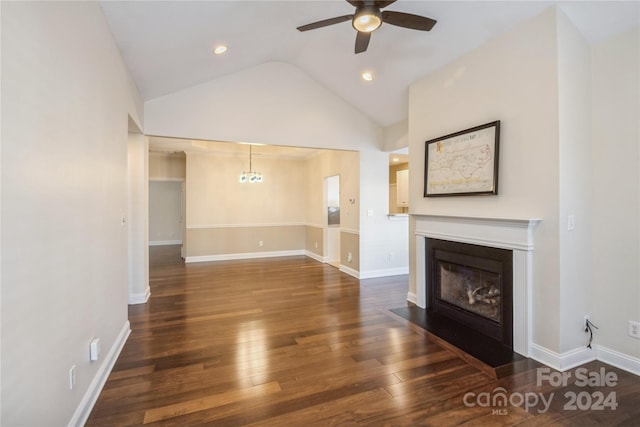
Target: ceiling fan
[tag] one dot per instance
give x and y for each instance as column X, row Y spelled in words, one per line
column 368, row 18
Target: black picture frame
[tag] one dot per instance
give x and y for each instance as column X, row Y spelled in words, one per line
column 463, row 163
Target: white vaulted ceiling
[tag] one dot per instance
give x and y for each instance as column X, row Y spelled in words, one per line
column 168, row 45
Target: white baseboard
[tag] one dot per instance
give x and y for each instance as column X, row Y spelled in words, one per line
column 83, row 410
column 315, row 256
column 384, row 273
column 564, row 361
column 248, row 255
column 165, row 242
column 350, row 271
column 619, row 360
column 412, row 297
column 141, row 298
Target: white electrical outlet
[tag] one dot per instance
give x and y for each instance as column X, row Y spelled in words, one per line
column 72, row 377
column 634, row 329
column 260, row 243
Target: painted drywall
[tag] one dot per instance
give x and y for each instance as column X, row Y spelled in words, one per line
column 216, row 196
column 216, row 199
column 615, row 252
column 314, row 242
column 346, row 165
column 395, row 136
column 138, row 217
column 66, row 98
column 273, row 103
column 228, row 242
column 167, row 166
column 512, row 78
column 165, row 212
column 575, row 181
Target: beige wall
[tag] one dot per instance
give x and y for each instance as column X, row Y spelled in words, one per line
column 313, row 237
column 350, row 244
column 512, row 78
column 225, row 216
column 163, row 166
column 329, row 163
column 226, row 241
column 216, row 197
column 615, row 251
column 66, row 98
column 575, row 179
column 346, row 165
column 165, row 212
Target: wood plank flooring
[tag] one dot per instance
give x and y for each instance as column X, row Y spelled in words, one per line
column 290, row 341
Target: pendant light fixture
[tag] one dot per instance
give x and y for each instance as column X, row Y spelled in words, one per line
column 251, row 176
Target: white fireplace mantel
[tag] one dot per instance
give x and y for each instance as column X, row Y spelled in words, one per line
column 515, row 234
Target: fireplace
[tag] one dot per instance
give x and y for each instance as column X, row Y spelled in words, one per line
column 471, row 285
column 512, row 234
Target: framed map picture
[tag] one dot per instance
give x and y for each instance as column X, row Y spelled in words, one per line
column 464, row 163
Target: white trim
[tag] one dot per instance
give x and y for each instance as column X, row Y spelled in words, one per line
column 384, row 273
column 165, row 179
column 619, row 360
column 315, row 225
column 274, row 224
column 83, row 410
column 515, row 234
column 349, row 230
column 398, row 217
column 316, row 256
column 248, row 255
column 141, row 298
column 350, row 271
column 164, row 242
column 564, row 361
column 411, row 297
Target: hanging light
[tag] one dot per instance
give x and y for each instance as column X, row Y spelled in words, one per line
column 251, row 176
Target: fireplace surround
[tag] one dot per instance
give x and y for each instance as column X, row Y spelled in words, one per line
column 513, row 234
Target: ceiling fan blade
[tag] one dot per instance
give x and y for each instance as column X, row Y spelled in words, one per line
column 407, row 20
column 325, row 23
column 356, row 3
column 362, row 41
column 383, row 3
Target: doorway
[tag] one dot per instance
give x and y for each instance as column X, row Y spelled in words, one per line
column 165, row 212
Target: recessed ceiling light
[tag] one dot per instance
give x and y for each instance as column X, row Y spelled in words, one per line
column 220, row 49
column 396, row 159
column 367, row 76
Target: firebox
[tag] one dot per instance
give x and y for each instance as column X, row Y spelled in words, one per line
column 471, row 285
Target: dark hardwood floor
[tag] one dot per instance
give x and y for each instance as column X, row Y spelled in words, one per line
column 291, row 342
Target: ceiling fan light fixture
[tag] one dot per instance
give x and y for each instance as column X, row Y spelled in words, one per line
column 367, row 19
